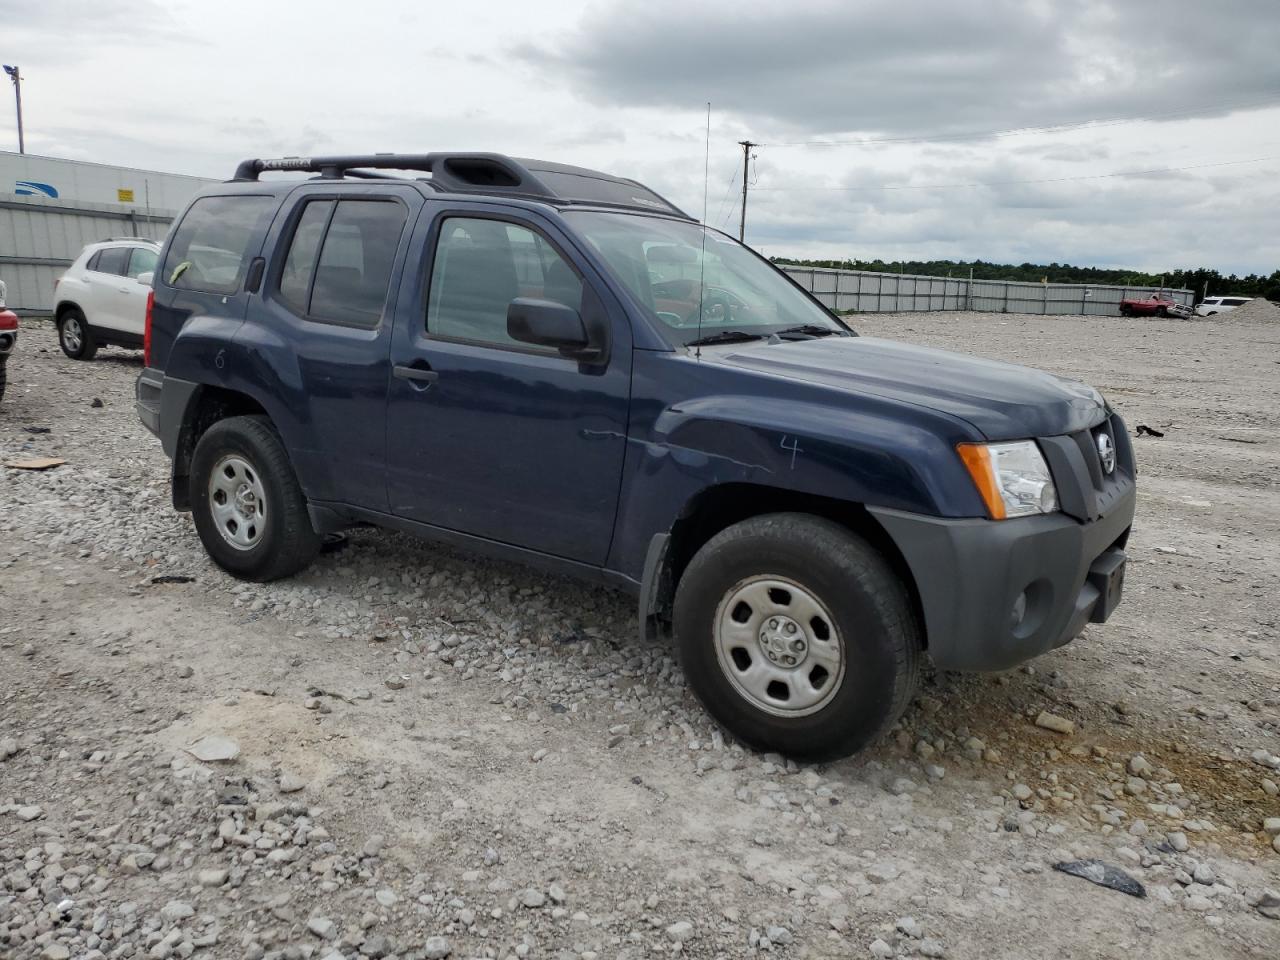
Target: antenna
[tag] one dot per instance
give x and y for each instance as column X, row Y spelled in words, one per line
column 702, row 260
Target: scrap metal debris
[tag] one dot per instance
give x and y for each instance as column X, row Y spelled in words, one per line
column 173, row 578
column 1104, row 875
column 1145, row 431
column 36, row 430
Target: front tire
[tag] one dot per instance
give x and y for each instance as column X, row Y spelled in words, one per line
column 74, row 335
column 249, row 510
column 797, row 636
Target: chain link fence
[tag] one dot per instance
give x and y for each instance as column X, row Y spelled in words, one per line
column 866, row 292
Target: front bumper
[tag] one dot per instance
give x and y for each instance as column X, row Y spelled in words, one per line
column 971, row 573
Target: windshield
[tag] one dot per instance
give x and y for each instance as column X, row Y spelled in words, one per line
column 662, row 263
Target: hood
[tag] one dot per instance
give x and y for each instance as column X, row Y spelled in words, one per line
column 1002, row 400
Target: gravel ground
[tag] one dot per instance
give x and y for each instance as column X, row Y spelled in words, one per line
column 442, row 756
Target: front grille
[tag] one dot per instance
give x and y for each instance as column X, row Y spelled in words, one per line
column 1085, row 490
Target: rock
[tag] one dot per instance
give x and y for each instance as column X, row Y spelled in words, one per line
column 1051, row 721
column 883, row 873
column 212, row 878
column 1268, row 904
column 176, row 910
column 436, row 948
column 910, row 927
column 56, row 951
column 532, row 898
column 185, row 672
column 27, row 814
column 557, row 894
column 881, row 950
column 1199, row 903
column 931, row 948
column 8, row 748
column 1271, row 826
column 1203, row 874
column 214, row 749
column 680, row 932
column 386, row 897
column 778, row 935
column 323, row 927
column 1179, row 842
column 375, row 946
column 1022, row 792
column 1138, row 766
column 1275, row 843
column 291, row 783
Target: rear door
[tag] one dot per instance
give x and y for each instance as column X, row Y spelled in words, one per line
column 488, row 436
column 105, row 279
column 200, row 288
column 323, row 322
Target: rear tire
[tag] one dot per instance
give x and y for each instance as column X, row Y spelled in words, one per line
column 797, row 636
column 74, row 335
column 1162, row 312
column 248, row 507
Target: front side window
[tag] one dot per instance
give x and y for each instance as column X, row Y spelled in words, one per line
column 690, row 277
column 340, row 258
column 212, row 246
column 480, row 266
column 142, row 260
column 112, row 260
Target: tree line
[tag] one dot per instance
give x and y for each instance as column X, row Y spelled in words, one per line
column 1252, row 285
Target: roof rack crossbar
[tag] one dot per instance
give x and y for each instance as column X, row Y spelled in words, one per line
column 487, row 173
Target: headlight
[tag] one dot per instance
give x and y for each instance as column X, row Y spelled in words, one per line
column 1013, row 478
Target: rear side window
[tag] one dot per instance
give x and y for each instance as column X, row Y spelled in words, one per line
column 141, row 260
column 212, row 246
column 1234, row 302
column 111, row 260
column 340, row 257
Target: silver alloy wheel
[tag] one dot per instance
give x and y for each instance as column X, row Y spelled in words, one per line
column 238, row 502
column 72, row 335
column 779, row 646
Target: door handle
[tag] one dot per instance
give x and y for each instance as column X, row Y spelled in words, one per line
column 422, row 374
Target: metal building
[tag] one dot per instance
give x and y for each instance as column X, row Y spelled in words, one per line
column 50, row 208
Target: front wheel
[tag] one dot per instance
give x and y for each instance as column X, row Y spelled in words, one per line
column 797, row 636
column 74, row 335
column 248, row 508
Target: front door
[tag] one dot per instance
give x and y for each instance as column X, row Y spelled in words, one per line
column 489, row 436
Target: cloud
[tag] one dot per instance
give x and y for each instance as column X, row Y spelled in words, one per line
column 934, row 66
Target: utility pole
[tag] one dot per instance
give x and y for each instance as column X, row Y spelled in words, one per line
column 746, row 160
column 16, row 76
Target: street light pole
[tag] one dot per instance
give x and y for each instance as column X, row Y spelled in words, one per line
column 16, row 76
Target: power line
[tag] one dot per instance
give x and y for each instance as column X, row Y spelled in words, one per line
column 1027, row 131
column 1003, row 183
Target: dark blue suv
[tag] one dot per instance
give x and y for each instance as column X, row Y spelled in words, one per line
column 557, row 366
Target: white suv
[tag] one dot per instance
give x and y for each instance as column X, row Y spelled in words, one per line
column 1211, row 305
column 102, row 298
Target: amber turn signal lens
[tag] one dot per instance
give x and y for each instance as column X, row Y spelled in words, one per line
column 977, row 460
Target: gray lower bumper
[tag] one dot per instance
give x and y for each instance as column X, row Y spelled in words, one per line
column 147, row 398
column 971, row 574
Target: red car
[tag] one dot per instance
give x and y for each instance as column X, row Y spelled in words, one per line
column 8, row 338
column 1156, row 305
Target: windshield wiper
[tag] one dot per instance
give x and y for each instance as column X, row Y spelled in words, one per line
column 808, row 329
column 725, row 336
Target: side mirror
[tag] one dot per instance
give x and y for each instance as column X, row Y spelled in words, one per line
column 547, row 323
column 145, row 277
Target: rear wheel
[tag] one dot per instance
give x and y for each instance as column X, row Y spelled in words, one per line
column 797, row 635
column 1162, row 311
column 248, row 507
column 74, row 335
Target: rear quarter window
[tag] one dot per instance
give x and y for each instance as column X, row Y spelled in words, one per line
column 212, row 246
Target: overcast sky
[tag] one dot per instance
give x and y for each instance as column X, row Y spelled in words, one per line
column 192, row 87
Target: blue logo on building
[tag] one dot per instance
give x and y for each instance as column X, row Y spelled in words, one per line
column 30, row 188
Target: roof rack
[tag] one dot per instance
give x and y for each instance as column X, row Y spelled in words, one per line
column 488, row 173
column 139, row 239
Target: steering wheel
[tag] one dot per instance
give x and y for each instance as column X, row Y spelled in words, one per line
column 715, row 310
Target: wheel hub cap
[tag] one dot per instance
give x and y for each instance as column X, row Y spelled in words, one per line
column 778, row 645
column 237, row 502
